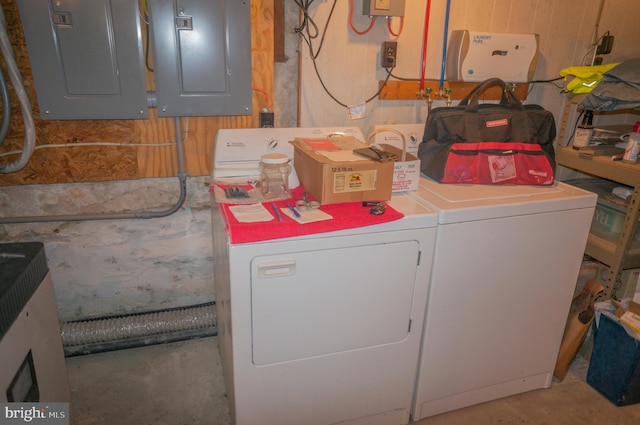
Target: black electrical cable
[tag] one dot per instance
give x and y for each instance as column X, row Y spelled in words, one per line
column 146, row 20
column 146, row 48
column 403, row 78
column 552, row 81
column 341, row 103
column 546, row 81
column 307, row 22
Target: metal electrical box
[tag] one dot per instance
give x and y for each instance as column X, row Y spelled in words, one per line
column 202, row 57
column 86, row 58
column 383, row 7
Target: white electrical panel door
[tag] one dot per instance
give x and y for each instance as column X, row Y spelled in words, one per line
column 321, row 302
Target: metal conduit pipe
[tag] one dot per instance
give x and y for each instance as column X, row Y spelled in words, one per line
column 29, row 144
column 140, row 329
column 182, row 176
column 6, row 107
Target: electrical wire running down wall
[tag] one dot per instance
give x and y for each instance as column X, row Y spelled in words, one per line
column 308, row 30
column 25, row 106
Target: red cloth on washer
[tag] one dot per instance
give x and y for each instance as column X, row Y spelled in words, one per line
column 346, row 215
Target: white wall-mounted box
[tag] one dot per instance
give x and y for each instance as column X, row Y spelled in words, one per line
column 477, row 56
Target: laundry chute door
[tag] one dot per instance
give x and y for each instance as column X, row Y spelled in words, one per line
column 322, row 302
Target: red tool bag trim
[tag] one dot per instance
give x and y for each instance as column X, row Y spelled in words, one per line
column 497, row 163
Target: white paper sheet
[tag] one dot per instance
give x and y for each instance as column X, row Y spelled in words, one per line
column 251, row 213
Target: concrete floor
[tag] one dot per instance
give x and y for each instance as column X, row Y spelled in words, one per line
column 181, row 384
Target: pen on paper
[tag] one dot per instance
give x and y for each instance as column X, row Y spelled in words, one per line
column 277, row 211
column 293, row 211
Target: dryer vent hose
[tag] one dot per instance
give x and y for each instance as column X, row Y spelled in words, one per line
column 140, row 329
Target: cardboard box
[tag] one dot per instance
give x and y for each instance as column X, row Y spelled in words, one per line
column 333, row 182
column 406, row 174
column 614, row 369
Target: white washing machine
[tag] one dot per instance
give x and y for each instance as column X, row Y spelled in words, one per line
column 505, row 267
column 324, row 328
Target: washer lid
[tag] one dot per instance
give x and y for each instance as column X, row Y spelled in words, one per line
column 458, row 203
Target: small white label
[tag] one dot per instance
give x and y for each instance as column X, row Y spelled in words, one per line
column 354, row 181
column 357, row 112
column 632, row 149
column 581, row 137
column 501, row 168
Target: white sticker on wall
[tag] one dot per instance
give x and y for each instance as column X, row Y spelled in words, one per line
column 358, row 112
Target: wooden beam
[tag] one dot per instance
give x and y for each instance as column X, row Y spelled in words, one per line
column 278, row 31
column 409, row 90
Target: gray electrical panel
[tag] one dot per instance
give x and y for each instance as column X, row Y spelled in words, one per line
column 86, row 58
column 201, row 56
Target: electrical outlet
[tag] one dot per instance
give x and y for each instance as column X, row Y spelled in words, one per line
column 605, row 45
column 389, row 54
column 267, row 118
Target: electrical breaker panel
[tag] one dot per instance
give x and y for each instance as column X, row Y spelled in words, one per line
column 201, row 56
column 86, row 58
column 383, row 7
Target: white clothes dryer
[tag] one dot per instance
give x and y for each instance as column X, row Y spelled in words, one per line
column 324, row 328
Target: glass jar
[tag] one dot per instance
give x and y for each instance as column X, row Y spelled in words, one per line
column 274, row 175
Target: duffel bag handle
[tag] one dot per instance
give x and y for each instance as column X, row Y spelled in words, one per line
column 508, row 98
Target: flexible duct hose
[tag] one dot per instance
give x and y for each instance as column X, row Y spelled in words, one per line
column 138, row 325
column 16, row 79
column 138, row 329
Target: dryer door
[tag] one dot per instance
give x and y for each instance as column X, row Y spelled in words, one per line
column 313, row 303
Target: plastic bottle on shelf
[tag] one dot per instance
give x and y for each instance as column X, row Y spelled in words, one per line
column 582, row 136
column 633, row 146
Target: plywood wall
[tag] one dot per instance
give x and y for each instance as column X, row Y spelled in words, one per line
column 149, row 145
